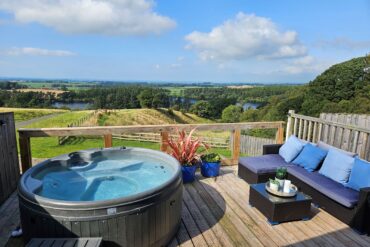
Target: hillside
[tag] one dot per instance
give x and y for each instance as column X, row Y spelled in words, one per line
column 24, row 114
column 149, row 117
column 344, row 87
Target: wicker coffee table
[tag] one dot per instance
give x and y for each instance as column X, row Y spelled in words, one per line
column 279, row 209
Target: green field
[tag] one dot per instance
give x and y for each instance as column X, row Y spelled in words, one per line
column 47, row 147
column 24, row 114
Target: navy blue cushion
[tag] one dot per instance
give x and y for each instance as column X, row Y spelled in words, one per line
column 263, row 164
column 310, row 157
column 360, row 175
column 291, row 148
column 336, row 191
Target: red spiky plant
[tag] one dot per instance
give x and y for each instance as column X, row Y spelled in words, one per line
column 185, row 148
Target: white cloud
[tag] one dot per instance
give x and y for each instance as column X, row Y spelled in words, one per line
column 16, row 51
column 246, row 36
column 112, row 17
column 306, row 64
column 157, row 66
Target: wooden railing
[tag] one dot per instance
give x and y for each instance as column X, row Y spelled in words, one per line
column 214, row 142
column 345, row 136
column 77, row 123
column 164, row 130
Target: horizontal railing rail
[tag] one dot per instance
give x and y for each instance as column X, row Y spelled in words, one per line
column 164, row 130
column 345, row 136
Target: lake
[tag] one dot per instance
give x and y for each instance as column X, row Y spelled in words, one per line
column 72, row 106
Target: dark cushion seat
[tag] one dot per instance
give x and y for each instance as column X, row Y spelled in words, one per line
column 335, row 191
column 263, row 164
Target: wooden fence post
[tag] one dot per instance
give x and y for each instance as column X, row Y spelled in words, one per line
column 289, row 129
column 164, row 141
column 280, row 134
column 236, row 146
column 25, row 151
column 108, row 143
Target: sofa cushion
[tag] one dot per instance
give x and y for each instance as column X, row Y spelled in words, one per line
column 263, row 164
column 336, row 191
column 326, row 147
column 291, row 148
column 360, row 175
column 337, row 166
column 310, row 157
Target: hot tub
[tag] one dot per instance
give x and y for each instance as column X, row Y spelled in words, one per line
column 130, row 197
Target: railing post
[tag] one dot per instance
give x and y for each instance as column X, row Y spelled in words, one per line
column 25, row 151
column 108, row 142
column 236, row 146
column 280, row 134
column 164, row 141
column 289, row 130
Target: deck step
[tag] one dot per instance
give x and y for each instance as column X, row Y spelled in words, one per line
column 59, row 242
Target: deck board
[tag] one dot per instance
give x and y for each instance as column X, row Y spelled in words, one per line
column 216, row 212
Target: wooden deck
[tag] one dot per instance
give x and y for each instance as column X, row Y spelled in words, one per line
column 216, row 213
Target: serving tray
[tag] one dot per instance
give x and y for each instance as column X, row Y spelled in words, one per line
column 293, row 191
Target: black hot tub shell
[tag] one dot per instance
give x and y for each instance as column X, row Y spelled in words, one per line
column 147, row 219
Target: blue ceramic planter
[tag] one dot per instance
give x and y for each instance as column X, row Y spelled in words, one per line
column 210, row 169
column 188, row 173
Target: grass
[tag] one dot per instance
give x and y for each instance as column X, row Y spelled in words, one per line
column 47, row 147
column 39, row 145
column 61, row 120
column 150, row 117
column 24, row 114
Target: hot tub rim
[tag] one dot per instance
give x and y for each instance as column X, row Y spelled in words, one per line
column 78, row 205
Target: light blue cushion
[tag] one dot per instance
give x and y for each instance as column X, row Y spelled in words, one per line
column 337, row 166
column 360, row 175
column 291, row 148
column 310, row 157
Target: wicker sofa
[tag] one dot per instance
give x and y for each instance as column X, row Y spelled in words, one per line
column 350, row 206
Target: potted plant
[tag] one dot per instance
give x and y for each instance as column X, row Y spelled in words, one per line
column 281, row 173
column 274, row 184
column 210, row 165
column 185, row 149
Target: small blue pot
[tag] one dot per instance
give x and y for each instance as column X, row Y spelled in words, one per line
column 188, row 173
column 210, row 169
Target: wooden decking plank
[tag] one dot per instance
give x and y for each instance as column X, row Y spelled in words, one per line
column 183, row 237
column 242, row 189
column 192, row 228
column 241, row 218
column 217, row 228
column 266, row 235
column 237, row 229
column 201, row 222
column 242, row 200
column 362, row 240
column 9, row 219
column 218, row 209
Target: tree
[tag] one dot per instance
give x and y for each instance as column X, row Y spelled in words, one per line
column 202, row 109
column 146, row 98
column 232, row 113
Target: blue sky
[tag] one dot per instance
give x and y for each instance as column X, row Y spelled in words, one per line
column 180, row 40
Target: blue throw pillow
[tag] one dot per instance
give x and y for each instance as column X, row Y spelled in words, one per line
column 360, row 175
column 291, row 148
column 337, row 166
column 310, row 157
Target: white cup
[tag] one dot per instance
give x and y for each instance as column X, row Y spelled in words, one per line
column 287, row 184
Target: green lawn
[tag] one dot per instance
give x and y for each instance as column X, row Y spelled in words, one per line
column 24, row 114
column 47, row 147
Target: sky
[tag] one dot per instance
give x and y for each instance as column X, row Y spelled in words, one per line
column 180, row 40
